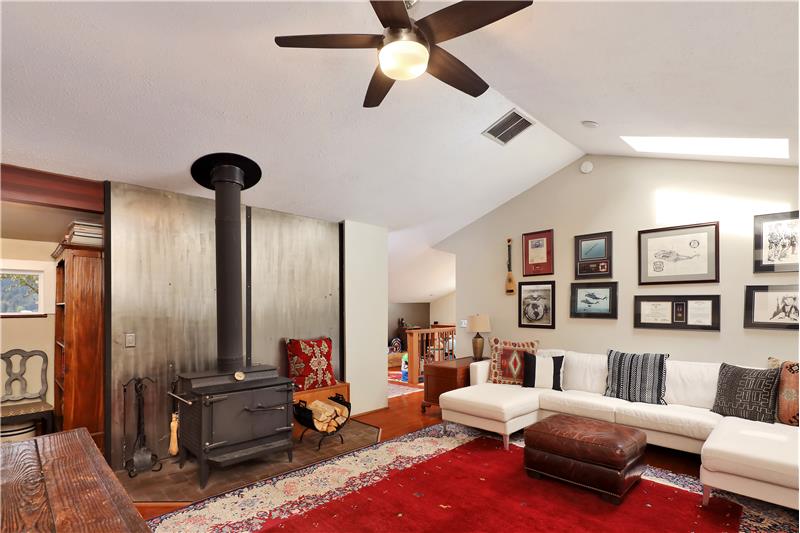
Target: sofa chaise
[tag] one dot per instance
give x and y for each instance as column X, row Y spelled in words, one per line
column 755, row 459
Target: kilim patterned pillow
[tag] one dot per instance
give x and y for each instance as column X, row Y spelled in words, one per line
column 310, row 363
column 788, row 411
column 508, row 360
column 747, row 392
column 637, row 377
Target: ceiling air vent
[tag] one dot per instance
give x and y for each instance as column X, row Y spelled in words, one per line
column 509, row 126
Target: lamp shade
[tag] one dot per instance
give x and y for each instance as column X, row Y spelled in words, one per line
column 478, row 324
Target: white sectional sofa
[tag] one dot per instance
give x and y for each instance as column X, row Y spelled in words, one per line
column 751, row 458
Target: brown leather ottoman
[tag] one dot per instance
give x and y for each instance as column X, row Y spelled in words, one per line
column 599, row 455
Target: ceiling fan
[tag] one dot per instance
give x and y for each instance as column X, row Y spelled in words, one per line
column 407, row 48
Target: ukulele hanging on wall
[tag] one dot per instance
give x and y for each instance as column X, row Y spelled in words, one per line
column 511, row 285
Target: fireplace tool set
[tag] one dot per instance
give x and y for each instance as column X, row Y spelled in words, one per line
column 143, row 459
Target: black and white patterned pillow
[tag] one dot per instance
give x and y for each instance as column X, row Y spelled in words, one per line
column 637, row 377
column 542, row 372
column 748, row 393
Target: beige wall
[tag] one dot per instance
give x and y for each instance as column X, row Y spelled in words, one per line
column 625, row 195
column 366, row 291
column 416, row 314
column 29, row 333
column 443, row 310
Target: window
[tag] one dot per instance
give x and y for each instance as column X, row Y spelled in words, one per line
column 20, row 292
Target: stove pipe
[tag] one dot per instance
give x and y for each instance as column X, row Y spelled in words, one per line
column 228, row 175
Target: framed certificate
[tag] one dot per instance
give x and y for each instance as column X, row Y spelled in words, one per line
column 677, row 312
column 537, row 253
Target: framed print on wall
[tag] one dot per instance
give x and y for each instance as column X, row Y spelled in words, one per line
column 679, row 254
column 770, row 306
column 537, row 253
column 593, row 255
column 537, row 304
column 593, row 300
column 696, row 312
column 775, row 242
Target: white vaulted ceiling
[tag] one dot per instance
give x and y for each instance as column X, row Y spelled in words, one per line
column 134, row 92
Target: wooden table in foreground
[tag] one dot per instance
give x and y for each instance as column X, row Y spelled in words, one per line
column 60, row 482
column 443, row 376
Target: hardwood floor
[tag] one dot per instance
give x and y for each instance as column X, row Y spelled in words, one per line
column 404, row 415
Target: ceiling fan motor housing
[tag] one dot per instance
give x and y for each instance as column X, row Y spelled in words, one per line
column 391, row 35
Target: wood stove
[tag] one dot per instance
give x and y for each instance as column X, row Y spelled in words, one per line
column 233, row 413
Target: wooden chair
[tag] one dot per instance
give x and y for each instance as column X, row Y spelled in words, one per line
column 18, row 413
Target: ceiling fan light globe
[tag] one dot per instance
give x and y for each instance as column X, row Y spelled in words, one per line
column 403, row 60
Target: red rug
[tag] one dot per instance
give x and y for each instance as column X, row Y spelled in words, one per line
column 480, row 487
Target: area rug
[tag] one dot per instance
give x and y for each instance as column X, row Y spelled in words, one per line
column 401, row 390
column 430, row 476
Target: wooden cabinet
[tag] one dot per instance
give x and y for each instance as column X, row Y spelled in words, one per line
column 443, row 376
column 79, row 364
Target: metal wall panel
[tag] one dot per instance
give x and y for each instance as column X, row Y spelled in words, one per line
column 163, row 290
column 295, row 285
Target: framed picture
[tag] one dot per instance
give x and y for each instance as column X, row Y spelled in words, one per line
column 677, row 312
column 593, row 300
column 679, row 254
column 593, row 255
column 537, row 304
column 770, row 306
column 537, row 253
column 775, row 242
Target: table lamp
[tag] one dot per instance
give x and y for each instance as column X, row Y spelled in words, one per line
column 478, row 324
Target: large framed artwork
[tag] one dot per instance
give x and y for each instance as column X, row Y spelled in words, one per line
column 775, row 242
column 593, row 300
column 770, row 306
column 593, row 255
column 696, row 312
column 537, row 304
column 679, row 254
column 537, row 253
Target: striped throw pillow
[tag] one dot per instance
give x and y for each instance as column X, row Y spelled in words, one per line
column 542, row 372
column 637, row 377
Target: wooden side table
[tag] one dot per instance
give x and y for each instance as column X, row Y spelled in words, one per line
column 443, row 376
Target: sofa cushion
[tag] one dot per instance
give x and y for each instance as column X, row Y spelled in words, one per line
column 507, row 360
column 787, row 410
column 542, row 372
column 637, row 377
column 494, row 401
column 581, row 403
column 693, row 422
column 756, row 450
column 693, row 384
column 747, row 392
column 585, row 372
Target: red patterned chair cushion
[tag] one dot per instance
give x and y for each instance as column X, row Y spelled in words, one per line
column 508, row 360
column 310, row 363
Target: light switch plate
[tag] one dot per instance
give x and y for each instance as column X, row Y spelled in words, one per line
column 130, row 340
column 462, row 323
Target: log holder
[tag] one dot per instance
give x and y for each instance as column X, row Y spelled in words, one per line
column 306, row 418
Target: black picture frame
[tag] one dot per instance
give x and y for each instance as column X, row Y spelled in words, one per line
column 576, row 310
column 593, row 265
column 664, row 258
column 755, row 312
column 692, row 307
column 528, row 307
column 759, row 262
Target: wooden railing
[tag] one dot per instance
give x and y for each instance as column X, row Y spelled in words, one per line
column 429, row 345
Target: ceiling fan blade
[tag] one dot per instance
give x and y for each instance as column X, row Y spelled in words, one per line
column 465, row 17
column 453, row 72
column 379, row 85
column 392, row 13
column 334, row 40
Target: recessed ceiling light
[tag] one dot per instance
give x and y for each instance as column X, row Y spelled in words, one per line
column 714, row 146
column 589, row 123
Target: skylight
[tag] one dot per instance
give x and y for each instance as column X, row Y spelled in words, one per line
column 713, row 146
